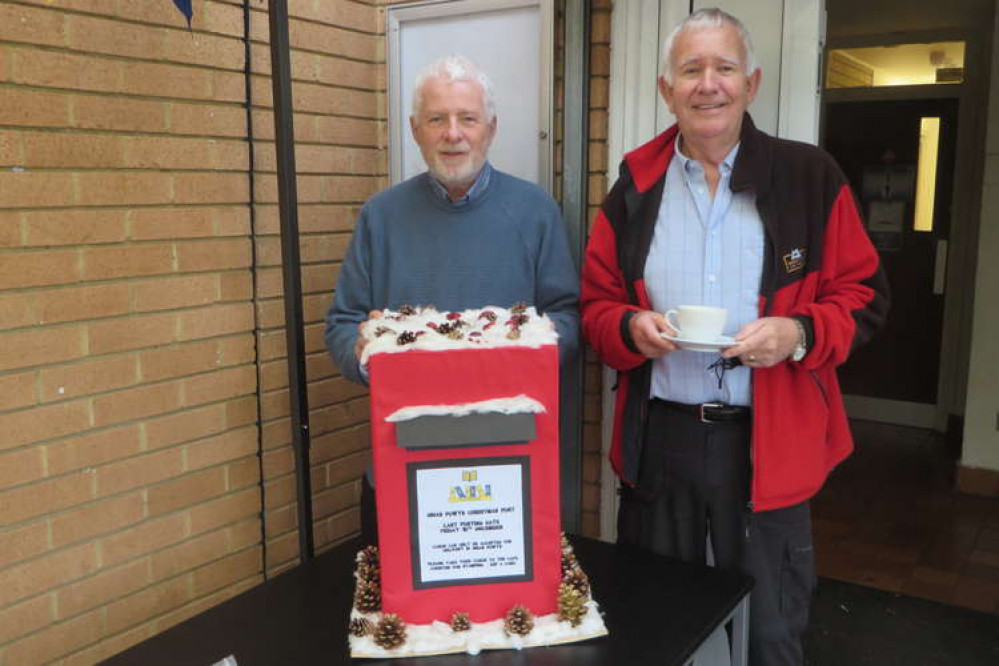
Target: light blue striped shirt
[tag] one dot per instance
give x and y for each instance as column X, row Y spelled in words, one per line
column 704, row 252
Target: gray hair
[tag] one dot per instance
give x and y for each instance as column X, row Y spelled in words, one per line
column 699, row 20
column 454, row 68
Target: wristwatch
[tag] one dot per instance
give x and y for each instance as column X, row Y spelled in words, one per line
column 801, row 348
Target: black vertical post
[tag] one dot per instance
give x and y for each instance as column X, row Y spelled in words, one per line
column 284, row 135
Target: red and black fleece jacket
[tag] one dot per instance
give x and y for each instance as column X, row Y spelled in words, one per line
column 819, row 267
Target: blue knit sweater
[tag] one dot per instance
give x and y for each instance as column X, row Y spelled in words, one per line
column 412, row 247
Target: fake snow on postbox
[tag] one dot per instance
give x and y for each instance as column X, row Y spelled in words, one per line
column 464, row 429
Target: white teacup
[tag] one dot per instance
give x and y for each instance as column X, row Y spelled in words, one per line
column 697, row 322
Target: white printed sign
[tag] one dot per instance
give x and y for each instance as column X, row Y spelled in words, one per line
column 471, row 522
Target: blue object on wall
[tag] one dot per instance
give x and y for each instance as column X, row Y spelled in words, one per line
column 185, row 8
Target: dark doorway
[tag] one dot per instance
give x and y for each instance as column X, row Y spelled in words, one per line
column 877, row 144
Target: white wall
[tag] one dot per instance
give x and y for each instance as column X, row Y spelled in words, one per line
column 981, row 438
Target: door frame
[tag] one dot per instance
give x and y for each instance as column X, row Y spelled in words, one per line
column 955, row 344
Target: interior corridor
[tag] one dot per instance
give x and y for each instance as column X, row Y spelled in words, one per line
column 889, row 518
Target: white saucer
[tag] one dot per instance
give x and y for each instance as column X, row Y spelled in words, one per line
column 714, row 345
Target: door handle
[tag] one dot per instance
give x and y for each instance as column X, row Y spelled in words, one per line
column 940, row 267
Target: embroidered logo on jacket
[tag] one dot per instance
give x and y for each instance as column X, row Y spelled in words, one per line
column 794, row 260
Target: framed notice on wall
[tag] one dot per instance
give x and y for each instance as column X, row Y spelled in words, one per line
column 511, row 41
column 471, row 519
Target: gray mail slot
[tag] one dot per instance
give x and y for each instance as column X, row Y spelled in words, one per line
column 447, row 430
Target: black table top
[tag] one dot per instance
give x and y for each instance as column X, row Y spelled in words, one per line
column 658, row 611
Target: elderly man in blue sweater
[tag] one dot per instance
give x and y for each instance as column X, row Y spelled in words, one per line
column 461, row 235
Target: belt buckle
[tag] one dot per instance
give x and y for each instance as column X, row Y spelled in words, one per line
column 700, row 410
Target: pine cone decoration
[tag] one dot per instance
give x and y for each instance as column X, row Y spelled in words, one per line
column 390, row 632
column 571, row 605
column 369, row 573
column 359, row 626
column 519, row 620
column 367, row 597
column 519, row 307
column 564, row 541
column 369, row 556
column 569, row 563
column 406, row 310
column 577, row 580
column 460, row 622
column 405, row 338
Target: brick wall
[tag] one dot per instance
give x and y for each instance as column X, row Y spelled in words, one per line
column 134, row 330
column 146, row 471
column 600, row 30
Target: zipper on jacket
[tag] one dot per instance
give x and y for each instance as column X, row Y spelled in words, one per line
column 822, row 389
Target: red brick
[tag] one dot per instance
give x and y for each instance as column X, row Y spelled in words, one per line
column 55, row 641
column 26, row 189
column 210, row 120
column 213, row 255
column 150, row 152
column 243, row 473
column 115, row 113
column 363, row 18
column 227, row 571
column 73, row 304
column 241, row 411
column 10, row 229
column 45, row 497
column 99, row 35
column 228, row 86
column 232, row 221
column 150, row 602
column 21, row 107
column 53, row 69
column 97, row 518
column 165, row 80
column 92, row 450
column 111, row 188
column 138, row 472
column 225, row 510
column 29, row 269
column 236, row 286
column 178, row 360
column 204, row 49
column 184, row 426
column 17, row 390
column 31, row 26
column 333, row 40
column 188, row 555
column 168, row 223
column 93, row 151
column 185, row 491
column 40, row 423
column 75, row 227
column 102, row 588
column 171, row 293
column 222, row 448
column 103, row 374
column 25, row 618
column 20, row 467
column 216, row 320
column 127, row 261
column 147, row 537
column 211, row 188
column 136, row 403
column 22, row 543
column 220, row 385
column 131, row 333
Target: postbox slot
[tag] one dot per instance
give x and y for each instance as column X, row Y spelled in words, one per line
column 477, row 429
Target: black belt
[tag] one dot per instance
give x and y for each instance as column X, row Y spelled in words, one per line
column 709, row 412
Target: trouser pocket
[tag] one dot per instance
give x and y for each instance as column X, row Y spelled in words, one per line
column 797, row 580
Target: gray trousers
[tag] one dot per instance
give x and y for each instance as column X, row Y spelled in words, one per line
column 693, row 487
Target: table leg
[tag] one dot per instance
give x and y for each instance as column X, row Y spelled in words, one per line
column 740, row 633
